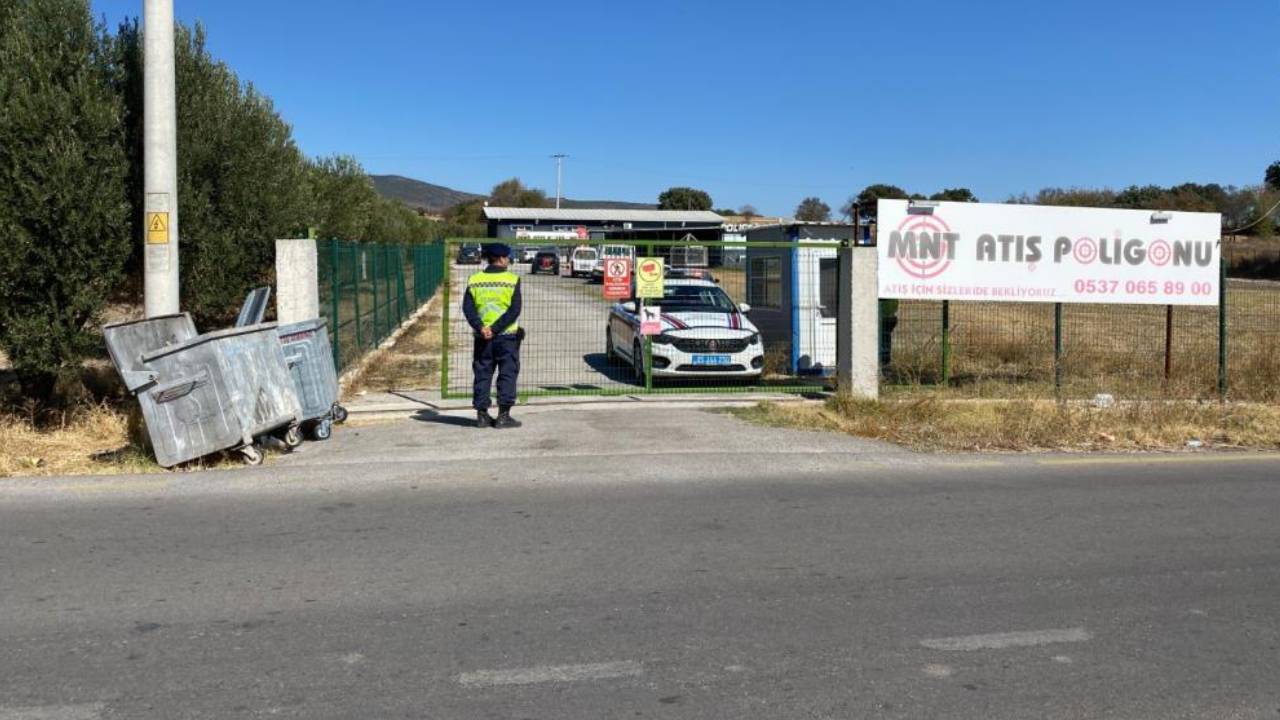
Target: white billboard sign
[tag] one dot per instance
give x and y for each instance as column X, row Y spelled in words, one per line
column 1033, row 253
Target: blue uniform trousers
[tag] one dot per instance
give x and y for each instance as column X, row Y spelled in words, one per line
column 502, row 353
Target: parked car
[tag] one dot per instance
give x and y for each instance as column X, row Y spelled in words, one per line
column 546, row 261
column 704, row 334
column 528, row 253
column 583, row 261
column 469, row 254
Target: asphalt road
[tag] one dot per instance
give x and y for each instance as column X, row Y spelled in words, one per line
column 776, row 575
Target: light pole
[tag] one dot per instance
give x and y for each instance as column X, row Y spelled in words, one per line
column 160, row 161
column 559, row 158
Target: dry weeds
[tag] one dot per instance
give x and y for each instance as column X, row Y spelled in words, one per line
column 412, row 363
column 936, row 424
column 91, row 440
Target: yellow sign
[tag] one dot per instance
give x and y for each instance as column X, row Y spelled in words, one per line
column 649, row 276
column 157, row 228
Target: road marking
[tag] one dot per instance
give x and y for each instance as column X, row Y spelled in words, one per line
column 1147, row 459
column 53, row 712
column 1000, row 641
column 548, row 673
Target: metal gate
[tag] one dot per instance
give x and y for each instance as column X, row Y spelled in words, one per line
column 735, row 317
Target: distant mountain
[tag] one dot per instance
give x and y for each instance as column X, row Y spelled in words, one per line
column 418, row 194
column 604, row 205
column 438, row 198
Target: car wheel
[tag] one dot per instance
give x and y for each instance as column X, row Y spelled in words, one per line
column 637, row 362
column 610, row 354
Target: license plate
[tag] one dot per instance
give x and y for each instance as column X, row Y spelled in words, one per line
column 711, row 359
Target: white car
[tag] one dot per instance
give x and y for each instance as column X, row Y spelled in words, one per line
column 583, row 261
column 704, row 334
column 528, row 253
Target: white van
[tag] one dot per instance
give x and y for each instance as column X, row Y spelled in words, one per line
column 612, row 251
column 583, row 261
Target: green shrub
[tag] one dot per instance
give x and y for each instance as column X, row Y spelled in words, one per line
column 64, row 212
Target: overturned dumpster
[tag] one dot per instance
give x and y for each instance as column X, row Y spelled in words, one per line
column 202, row 394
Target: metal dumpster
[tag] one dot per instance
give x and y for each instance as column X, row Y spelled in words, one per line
column 187, row 410
column 260, row 391
column 310, row 360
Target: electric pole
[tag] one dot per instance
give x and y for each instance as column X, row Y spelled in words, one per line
column 559, row 158
column 160, row 161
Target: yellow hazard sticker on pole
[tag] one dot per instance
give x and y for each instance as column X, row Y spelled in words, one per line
column 649, row 277
column 157, row 228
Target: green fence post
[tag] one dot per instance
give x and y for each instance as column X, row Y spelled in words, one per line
column 1057, row 350
column 1222, row 331
column 946, row 342
column 446, row 298
column 357, row 270
column 335, row 299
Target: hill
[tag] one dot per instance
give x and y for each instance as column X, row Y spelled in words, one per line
column 438, row 198
column 418, row 194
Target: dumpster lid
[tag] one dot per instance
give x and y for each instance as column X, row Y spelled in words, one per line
column 209, row 337
column 128, row 342
column 255, row 307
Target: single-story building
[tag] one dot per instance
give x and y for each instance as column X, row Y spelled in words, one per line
column 510, row 223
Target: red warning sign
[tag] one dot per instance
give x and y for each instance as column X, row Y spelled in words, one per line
column 617, row 278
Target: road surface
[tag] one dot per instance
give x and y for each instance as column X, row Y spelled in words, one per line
column 428, row 570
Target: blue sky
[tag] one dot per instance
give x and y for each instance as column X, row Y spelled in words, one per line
column 768, row 102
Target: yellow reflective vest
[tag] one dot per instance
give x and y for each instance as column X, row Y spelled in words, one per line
column 492, row 293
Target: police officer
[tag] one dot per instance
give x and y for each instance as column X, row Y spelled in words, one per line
column 492, row 306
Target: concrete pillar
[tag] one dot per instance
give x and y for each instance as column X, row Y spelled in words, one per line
column 858, row 323
column 297, row 281
column 161, row 292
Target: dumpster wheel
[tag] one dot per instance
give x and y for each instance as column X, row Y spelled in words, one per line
column 252, row 455
column 322, row 430
column 292, row 437
column 339, row 414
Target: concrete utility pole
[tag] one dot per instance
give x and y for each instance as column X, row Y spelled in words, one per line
column 160, row 161
column 559, row 165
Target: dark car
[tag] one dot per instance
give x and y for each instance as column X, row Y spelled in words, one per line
column 469, row 254
column 546, row 261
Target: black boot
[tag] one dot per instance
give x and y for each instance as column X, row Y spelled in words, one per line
column 484, row 419
column 505, row 420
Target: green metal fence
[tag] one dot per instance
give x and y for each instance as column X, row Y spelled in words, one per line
column 1079, row 350
column 369, row 289
column 573, row 346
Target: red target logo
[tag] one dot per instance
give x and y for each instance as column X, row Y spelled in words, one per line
column 1159, row 253
column 1085, row 251
column 926, row 268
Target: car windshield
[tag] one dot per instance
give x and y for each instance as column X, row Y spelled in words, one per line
column 470, row 247
column 696, row 298
column 584, row 255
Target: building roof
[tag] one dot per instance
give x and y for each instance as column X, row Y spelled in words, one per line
column 703, row 217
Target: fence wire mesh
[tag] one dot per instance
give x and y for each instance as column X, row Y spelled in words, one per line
column 369, row 289
column 995, row 349
column 722, row 328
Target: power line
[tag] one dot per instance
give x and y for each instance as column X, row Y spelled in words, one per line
column 1264, row 216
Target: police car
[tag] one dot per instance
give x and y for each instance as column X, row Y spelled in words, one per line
column 704, row 334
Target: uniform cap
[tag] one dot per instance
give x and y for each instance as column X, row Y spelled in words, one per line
column 495, row 250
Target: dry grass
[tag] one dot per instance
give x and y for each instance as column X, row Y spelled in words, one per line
column 90, row 440
column 933, row 424
column 1107, row 348
column 412, row 363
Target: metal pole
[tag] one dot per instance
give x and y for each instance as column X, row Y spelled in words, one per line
column 559, row 175
column 1057, row 350
column 1222, row 331
column 1168, row 344
column 160, row 161
column 946, row 342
